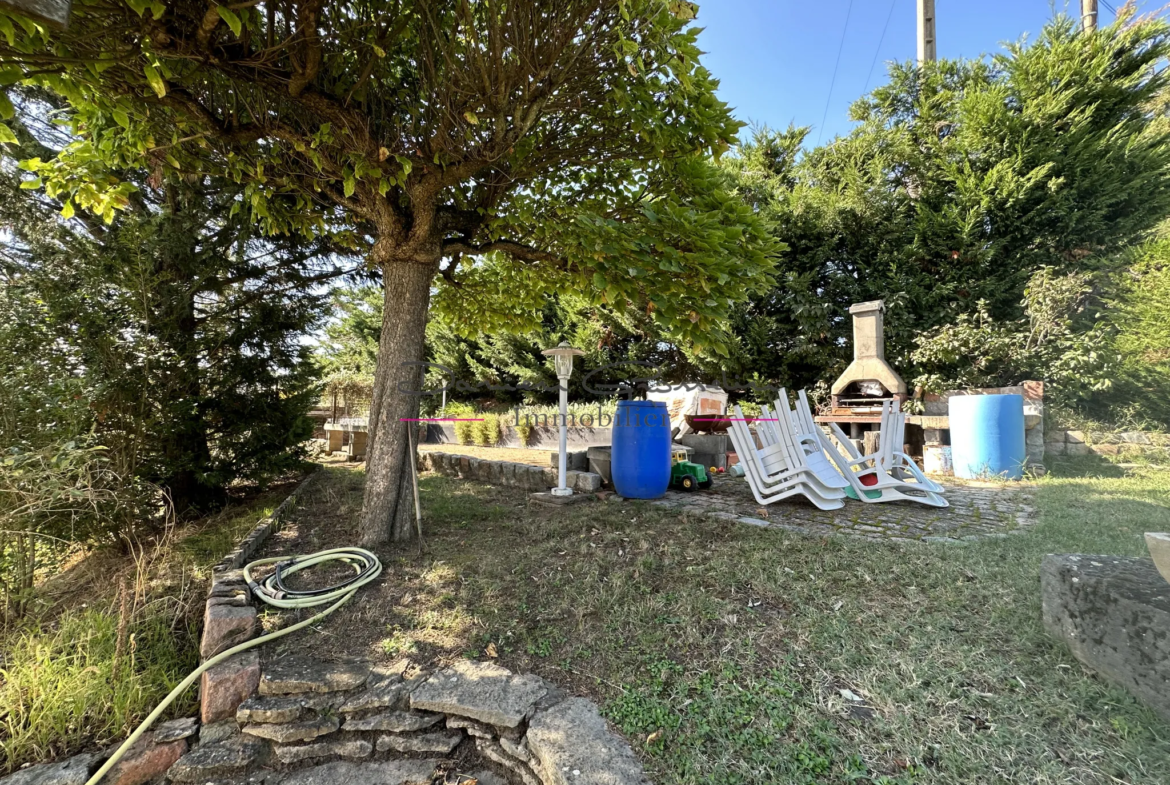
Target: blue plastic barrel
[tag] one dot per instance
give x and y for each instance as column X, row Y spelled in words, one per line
column 987, row 436
column 640, row 464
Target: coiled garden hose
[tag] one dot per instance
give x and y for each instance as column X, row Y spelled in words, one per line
column 272, row 591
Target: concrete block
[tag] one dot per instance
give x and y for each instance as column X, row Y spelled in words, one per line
column 1114, row 614
column 586, row 482
column 1075, row 437
column 1076, row 448
column 1054, row 448
column 1135, row 437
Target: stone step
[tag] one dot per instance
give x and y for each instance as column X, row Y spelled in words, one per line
column 261, row 708
column 482, row 691
column 441, row 741
column 293, row 675
column 304, row 730
column 229, row 758
column 396, row 721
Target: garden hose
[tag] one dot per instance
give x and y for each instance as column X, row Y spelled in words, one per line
column 272, row 591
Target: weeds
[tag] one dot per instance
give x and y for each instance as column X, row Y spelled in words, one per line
column 66, row 685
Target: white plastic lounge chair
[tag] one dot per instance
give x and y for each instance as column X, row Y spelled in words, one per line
column 899, row 465
column 788, row 425
column 771, row 475
column 869, row 478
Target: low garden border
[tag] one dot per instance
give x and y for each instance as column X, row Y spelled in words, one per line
column 508, row 473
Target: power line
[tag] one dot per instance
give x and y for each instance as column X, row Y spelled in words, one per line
column 833, row 81
column 1111, row 8
column 878, row 51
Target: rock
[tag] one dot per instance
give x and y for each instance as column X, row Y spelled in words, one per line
column 290, row 675
column 145, row 761
column 396, row 721
column 496, row 754
column 440, row 741
column 387, row 695
column 1114, row 614
column 352, row 748
column 395, row 772
column 223, row 688
column 587, row 482
column 480, row 690
column 1076, row 448
column 218, row 731
column 173, row 730
column 225, row 626
column 517, row 749
column 71, row 771
column 305, row 730
column 476, row 729
column 260, row 708
column 223, row 759
column 572, row 737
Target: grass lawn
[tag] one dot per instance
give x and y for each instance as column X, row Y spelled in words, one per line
column 729, row 654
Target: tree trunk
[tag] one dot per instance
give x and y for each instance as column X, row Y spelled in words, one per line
column 387, row 513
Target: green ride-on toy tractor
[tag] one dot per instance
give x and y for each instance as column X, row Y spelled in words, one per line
column 686, row 475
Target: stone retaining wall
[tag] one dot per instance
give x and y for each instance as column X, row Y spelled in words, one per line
column 1133, row 443
column 369, row 719
column 578, row 437
column 515, row 475
column 230, row 618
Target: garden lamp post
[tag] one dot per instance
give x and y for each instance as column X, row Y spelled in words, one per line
column 563, row 356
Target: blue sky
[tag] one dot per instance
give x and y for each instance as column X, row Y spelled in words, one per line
column 775, row 58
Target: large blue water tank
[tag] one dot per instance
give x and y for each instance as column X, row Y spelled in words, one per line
column 987, row 436
column 641, row 449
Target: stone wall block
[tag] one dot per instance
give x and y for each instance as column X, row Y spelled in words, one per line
column 1114, row 614
column 225, row 626
column 223, row 688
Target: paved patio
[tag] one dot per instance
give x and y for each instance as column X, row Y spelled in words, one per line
column 977, row 510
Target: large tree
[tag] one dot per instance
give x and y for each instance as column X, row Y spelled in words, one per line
column 961, row 181
column 175, row 329
column 560, row 142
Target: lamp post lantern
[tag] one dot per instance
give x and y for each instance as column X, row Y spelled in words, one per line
column 563, row 356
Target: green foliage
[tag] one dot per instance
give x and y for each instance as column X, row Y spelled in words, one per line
column 464, row 429
column 69, row 685
column 169, row 337
column 486, row 432
column 962, row 180
column 608, row 191
column 52, row 499
column 1136, row 298
column 1055, row 342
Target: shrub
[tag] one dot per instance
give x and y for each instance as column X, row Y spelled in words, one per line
column 465, row 430
column 486, row 431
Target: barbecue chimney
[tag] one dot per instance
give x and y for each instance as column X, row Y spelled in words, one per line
column 868, row 379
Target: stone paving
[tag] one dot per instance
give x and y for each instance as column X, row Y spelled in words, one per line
column 977, row 510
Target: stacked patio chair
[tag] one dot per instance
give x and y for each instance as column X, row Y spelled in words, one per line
column 780, row 469
column 886, row 475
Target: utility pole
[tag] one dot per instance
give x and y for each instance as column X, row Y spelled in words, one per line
column 926, row 43
column 1089, row 15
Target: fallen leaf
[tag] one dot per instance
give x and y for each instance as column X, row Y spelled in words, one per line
column 850, row 695
column 492, row 651
column 653, row 737
column 838, row 604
